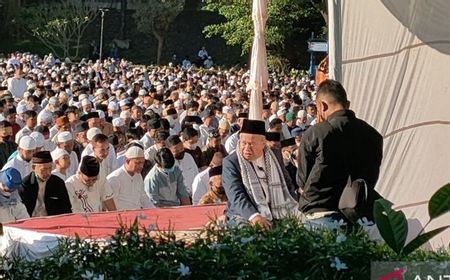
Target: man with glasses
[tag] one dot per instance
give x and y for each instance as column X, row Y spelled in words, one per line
column 255, row 181
column 85, row 193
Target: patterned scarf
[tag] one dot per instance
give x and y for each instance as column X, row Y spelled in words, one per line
column 278, row 203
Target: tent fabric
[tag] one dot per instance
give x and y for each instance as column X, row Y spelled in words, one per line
column 393, row 56
column 259, row 74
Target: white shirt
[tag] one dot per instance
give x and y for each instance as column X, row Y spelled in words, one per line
column 189, row 169
column 260, row 172
column 17, row 86
column 128, row 190
column 111, row 158
column 200, row 186
column 73, row 168
column 147, row 141
column 87, row 199
column 150, row 151
column 11, row 207
column 204, row 131
column 39, row 209
column 24, row 167
column 231, row 143
column 285, row 131
column 63, row 177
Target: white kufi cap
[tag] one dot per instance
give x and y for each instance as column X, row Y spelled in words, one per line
column 64, row 137
column 58, row 153
column 92, row 132
column 27, row 143
column 134, row 152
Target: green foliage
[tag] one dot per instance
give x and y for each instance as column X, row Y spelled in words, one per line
column 289, row 251
column 440, row 202
column 393, row 226
column 284, row 18
column 154, row 17
column 59, row 25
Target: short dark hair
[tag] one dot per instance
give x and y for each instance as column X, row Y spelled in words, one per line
column 161, row 136
column 189, row 133
column 100, row 138
column 335, row 90
column 164, row 158
column 29, row 114
column 5, row 124
column 172, row 141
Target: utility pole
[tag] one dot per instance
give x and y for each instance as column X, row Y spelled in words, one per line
column 102, row 11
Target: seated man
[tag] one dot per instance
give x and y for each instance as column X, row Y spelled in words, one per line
column 11, row 206
column 127, row 183
column 42, row 193
column 338, row 146
column 85, row 193
column 217, row 193
column 256, row 184
column 164, row 184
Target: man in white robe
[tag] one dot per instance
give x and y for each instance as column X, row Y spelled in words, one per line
column 127, row 182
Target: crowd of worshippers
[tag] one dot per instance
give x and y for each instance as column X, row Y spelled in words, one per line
column 102, row 136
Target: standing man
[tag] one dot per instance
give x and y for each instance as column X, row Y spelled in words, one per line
column 256, row 185
column 17, row 85
column 42, row 193
column 127, row 183
column 339, row 146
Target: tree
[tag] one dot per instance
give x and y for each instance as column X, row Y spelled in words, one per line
column 154, row 17
column 285, row 17
column 60, row 25
column 10, row 16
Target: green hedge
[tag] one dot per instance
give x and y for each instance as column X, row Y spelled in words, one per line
column 289, row 251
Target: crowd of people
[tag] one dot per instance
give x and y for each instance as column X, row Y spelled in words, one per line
column 108, row 135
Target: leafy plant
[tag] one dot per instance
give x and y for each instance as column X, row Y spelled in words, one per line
column 220, row 251
column 393, row 225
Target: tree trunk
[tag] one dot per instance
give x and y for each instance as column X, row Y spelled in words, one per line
column 160, row 39
column 123, row 15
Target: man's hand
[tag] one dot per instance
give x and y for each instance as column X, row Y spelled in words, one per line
column 262, row 222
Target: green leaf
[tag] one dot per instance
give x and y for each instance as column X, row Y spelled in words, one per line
column 422, row 239
column 392, row 224
column 440, row 202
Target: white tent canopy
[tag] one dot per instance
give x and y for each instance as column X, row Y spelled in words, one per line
column 393, row 58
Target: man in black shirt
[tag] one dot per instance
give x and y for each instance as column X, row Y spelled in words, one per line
column 339, row 146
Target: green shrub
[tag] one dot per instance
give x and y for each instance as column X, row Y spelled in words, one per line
column 289, row 251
